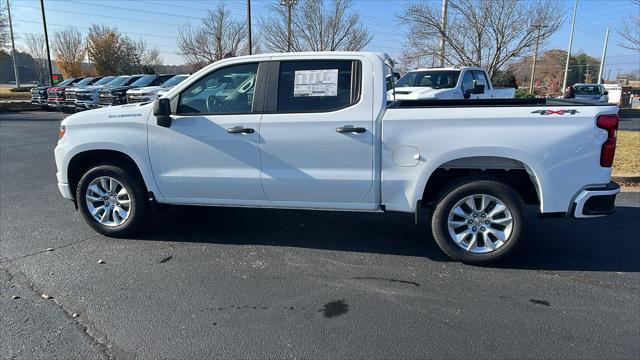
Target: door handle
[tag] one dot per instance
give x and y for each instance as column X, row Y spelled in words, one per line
column 240, row 130
column 350, row 129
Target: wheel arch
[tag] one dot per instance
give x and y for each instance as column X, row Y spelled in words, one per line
column 81, row 161
column 515, row 168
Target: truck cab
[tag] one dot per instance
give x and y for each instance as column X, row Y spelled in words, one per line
column 447, row 83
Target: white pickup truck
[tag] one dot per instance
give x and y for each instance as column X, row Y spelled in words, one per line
column 448, row 83
column 315, row 131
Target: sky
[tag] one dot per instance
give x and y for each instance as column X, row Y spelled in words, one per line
column 157, row 22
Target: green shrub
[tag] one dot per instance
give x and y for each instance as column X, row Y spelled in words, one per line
column 21, row 89
column 524, row 94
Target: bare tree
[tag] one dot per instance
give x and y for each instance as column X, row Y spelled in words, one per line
column 316, row 26
column 4, row 26
column 630, row 31
column 137, row 56
column 218, row 35
column 34, row 45
column 486, row 33
column 69, row 50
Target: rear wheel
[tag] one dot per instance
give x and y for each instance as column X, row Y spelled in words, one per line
column 478, row 221
column 112, row 200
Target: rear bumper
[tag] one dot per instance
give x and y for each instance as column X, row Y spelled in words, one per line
column 596, row 202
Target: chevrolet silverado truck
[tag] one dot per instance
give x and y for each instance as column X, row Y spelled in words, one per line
column 315, row 131
column 449, row 83
column 150, row 93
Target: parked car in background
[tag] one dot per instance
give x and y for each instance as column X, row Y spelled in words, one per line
column 118, row 95
column 448, row 83
column 39, row 95
column 70, row 92
column 87, row 98
column 171, row 83
column 150, row 93
column 594, row 92
column 56, row 95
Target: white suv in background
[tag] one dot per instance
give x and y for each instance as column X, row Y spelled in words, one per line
column 150, row 93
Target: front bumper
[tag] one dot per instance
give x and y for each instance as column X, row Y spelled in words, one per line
column 596, row 202
column 65, row 190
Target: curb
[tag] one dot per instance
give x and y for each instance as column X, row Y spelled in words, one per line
column 11, row 106
column 626, row 179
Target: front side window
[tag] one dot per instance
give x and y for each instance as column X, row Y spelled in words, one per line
column 223, row 91
column 315, row 86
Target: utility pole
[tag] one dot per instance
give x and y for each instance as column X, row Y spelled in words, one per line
column 443, row 26
column 289, row 4
column 249, row 25
column 535, row 59
column 566, row 67
column 13, row 47
column 604, row 54
column 46, row 41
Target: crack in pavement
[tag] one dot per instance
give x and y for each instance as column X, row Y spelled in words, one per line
column 7, row 261
column 98, row 339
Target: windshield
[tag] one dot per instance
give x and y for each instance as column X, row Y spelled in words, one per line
column 134, row 79
column 433, row 79
column 587, row 90
column 84, row 81
column 144, row 81
column 118, row 81
column 174, row 80
column 66, row 82
column 104, row 80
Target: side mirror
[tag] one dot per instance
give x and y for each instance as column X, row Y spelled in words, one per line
column 606, row 92
column 162, row 111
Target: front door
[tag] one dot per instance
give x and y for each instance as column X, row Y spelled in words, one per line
column 211, row 151
column 317, row 138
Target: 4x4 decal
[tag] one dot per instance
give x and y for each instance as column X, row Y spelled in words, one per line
column 556, row 112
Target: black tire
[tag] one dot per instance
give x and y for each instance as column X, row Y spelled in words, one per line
column 461, row 190
column 138, row 207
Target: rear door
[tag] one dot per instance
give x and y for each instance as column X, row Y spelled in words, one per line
column 317, row 132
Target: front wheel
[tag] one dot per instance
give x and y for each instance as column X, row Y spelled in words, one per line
column 112, row 200
column 478, row 221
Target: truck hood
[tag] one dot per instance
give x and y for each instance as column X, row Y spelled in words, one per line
column 419, row 93
column 145, row 90
column 121, row 113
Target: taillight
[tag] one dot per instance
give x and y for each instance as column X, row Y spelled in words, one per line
column 609, row 123
column 61, row 131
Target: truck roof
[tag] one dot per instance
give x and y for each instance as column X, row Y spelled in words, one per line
column 448, row 68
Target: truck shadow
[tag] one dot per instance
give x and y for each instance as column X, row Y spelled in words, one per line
column 605, row 244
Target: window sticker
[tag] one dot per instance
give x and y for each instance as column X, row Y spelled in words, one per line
column 316, row 83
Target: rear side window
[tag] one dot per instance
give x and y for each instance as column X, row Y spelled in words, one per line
column 317, row 86
column 479, row 75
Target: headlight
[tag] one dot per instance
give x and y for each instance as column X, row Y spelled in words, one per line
column 61, row 131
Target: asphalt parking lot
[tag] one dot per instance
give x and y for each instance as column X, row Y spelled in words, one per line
column 249, row 283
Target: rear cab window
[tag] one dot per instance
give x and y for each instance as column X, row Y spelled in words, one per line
column 318, row 85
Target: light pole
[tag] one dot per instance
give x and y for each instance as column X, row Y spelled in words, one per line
column 604, row 54
column 535, row 58
column 46, row 41
column 566, row 67
column 13, row 48
column 289, row 4
column 443, row 25
column 249, row 25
